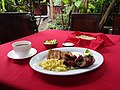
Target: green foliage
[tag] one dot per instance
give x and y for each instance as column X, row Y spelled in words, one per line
column 78, row 3
column 65, row 1
column 61, row 21
column 95, row 6
column 57, row 23
column 75, row 6
column 56, row 2
column 18, row 5
column 12, row 6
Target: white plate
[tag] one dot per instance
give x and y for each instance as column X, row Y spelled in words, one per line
column 12, row 54
column 40, row 57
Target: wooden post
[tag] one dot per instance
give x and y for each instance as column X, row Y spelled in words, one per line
column 51, row 8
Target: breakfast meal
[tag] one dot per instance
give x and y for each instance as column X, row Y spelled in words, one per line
column 85, row 37
column 64, row 60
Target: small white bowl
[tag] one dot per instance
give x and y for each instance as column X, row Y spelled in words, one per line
column 68, row 44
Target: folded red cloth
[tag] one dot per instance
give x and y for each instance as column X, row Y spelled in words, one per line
column 89, row 40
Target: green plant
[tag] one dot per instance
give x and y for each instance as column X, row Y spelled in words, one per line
column 20, row 6
column 57, row 22
column 56, row 2
column 85, row 6
column 75, row 6
column 13, row 6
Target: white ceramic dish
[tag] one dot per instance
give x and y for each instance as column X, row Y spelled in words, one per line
column 12, row 54
column 34, row 62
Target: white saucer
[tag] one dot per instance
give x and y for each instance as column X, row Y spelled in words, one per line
column 12, row 54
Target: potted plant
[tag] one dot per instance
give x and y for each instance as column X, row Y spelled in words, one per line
column 19, row 7
column 80, row 6
column 67, row 7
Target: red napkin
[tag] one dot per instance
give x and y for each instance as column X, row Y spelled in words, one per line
column 101, row 40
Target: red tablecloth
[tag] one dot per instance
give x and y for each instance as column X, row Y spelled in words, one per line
column 18, row 75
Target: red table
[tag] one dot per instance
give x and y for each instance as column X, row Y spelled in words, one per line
column 18, row 75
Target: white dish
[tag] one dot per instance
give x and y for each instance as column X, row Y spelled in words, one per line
column 12, row 54
column 40, row 57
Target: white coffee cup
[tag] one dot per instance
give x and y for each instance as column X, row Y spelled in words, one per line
column 21, row 48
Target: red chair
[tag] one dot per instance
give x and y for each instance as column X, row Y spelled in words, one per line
column 85, row 22
column 14, row 26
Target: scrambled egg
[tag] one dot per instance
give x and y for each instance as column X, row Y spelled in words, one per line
column 55, row 65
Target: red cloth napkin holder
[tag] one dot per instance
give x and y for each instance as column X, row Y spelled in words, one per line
column 101, row 40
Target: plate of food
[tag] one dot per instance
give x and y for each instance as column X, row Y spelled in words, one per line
column 66, row 61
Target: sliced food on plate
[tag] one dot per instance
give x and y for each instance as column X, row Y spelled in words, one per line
column 58, row 60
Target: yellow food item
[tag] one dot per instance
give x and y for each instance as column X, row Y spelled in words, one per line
column 54, row 65
column 52, row 41
column 85, row 37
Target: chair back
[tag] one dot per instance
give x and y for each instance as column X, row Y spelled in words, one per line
column 116, row 24
column 14, row 26
column 85, row 22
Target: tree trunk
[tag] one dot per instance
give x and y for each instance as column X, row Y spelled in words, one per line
column 103, row 20
column 86, row 5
